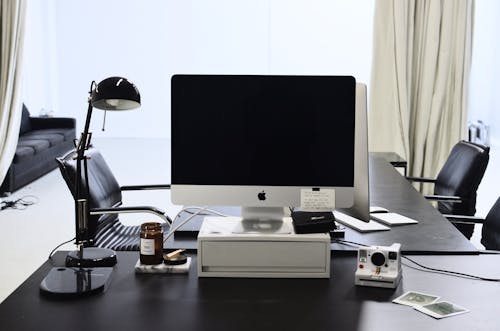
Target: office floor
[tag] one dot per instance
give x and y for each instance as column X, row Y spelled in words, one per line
column 29, row 235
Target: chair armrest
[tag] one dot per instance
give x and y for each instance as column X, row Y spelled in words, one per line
column 52, row 123
column 489, row 251
column 135, row 209
column 145, row 187
column 421, row 179
column 464, row 219
column 446, row 198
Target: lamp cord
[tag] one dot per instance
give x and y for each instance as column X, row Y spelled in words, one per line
column 52, row 252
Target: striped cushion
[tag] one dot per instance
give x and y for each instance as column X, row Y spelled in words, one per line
column 114, row 235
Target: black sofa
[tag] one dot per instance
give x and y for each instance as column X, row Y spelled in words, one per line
column 41, row 140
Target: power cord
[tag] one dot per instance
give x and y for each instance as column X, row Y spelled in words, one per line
column 426, row 268
column 448, row 272
column 348, row 243
column 19, row 204
column 199, row 211
column 188, row 210
column 52, row 252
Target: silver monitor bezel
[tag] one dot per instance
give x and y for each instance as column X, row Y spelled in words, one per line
column 356, row 197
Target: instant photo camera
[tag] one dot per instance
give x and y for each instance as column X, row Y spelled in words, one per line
column 379, row 266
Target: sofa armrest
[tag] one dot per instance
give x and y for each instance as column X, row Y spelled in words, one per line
column 38, row 123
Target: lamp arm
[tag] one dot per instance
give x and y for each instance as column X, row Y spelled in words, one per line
column 81, row 195
column 84, row 142
column 80, row 152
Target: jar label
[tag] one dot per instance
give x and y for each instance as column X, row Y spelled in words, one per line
column 147, row 246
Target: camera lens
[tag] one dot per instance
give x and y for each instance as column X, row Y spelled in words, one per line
column 378, row 259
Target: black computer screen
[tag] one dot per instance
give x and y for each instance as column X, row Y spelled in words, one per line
column 263, row 130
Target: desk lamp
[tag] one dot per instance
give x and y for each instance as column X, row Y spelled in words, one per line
column 89, row 267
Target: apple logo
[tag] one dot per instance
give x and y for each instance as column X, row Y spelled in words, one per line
column 261, row 196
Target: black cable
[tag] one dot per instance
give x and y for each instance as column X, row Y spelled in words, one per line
column 448, row 272
column 441, row 271
column 20, row 204
column 345, row 242
column 50, row 255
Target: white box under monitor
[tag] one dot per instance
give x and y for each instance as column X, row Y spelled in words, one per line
column 225, row 251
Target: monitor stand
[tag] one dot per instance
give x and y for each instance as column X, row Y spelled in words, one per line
column 262, row 220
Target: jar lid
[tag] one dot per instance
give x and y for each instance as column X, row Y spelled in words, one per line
column 150, row 226
column 175, row 258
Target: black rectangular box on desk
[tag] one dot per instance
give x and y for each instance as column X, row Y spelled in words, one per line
column 313, row 222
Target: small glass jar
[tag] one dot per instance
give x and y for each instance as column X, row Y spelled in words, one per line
column 151, row 251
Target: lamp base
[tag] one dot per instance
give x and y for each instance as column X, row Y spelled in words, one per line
column 92, row 257
column 69, row 282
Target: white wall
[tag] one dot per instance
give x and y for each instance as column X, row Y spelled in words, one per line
column 149, row 40
column 321, row 37
column 484, row 101
column 39, row 61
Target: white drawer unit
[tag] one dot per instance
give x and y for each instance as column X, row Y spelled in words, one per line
column 226, row 251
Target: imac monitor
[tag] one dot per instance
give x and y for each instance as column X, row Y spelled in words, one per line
column 258, row 141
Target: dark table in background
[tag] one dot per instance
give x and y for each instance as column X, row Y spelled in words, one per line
column 394, row 159
column 432, row 235
column 184, row 302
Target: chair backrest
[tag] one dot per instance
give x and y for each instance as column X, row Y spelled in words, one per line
column 460, row 176
column 490, row 237
column 104, row 191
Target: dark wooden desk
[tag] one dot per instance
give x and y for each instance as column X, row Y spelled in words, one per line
column 433, row 235
column 184, row 302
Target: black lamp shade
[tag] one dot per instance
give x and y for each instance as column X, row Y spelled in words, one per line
column 115, row 93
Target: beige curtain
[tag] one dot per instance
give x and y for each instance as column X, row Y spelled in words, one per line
column 11, row 40
column 419, row 83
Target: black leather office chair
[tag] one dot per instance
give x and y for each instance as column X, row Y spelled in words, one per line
column 105, row 202
column 490, row 235
column 458, row 180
